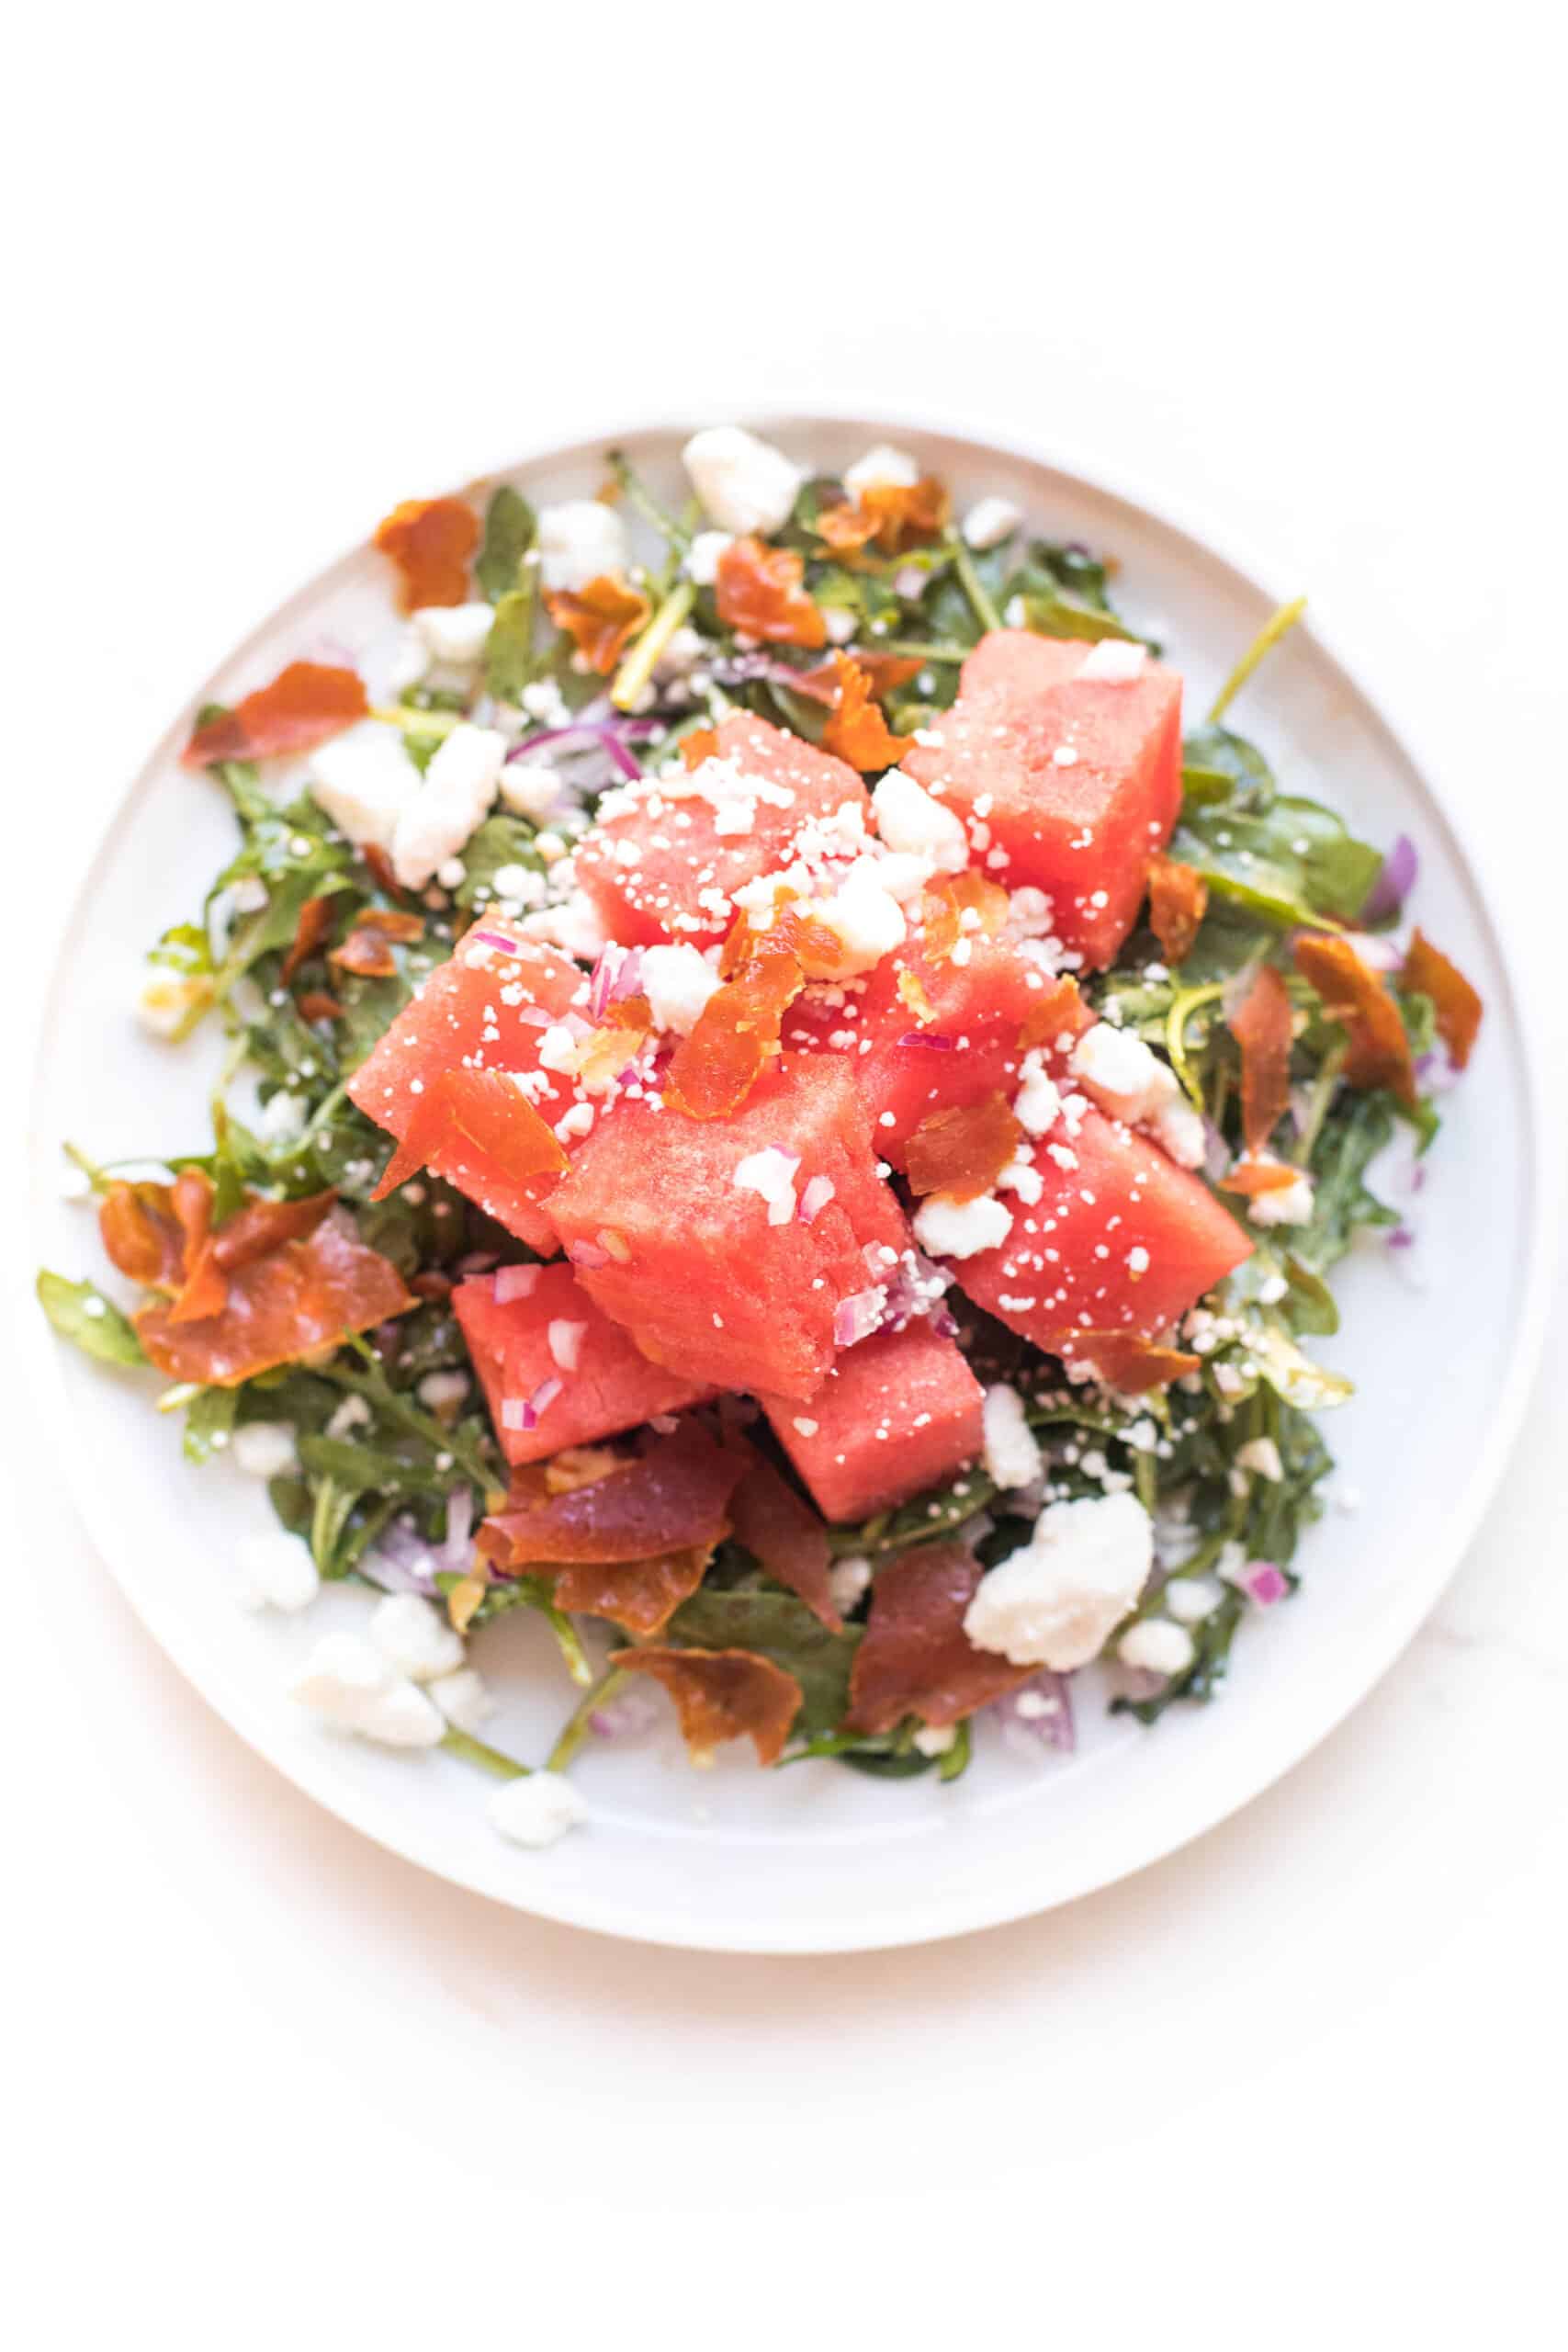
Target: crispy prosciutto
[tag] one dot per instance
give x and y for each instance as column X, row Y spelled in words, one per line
column 601, row 619
column 1261, row 1027
column 723, row 1694
column 785, row 1535
column 736, row 1037
column 673, row 1499
column 304, row 705
column 856, row 731
column 431, row 541
column 759, row 591
column 640, row 1595
column 915, row 1658
column 1179, row 897
column 1124, row 1362
column 274, row 1282
column 963, row 1151
column 1458, row 1007
column 1379, row 1051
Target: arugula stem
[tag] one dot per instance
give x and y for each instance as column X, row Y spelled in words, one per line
column 1278, row 625
column 913, row 649
column 647, row 505
column 577, row 1663
column 417, row 722
column 97, row 1177
column 1182, row 1007
column 973, row 588
column 375, row 1385
column 575, row 1730
column 637, row 668
column 480, row 1752
column 1323, row 1091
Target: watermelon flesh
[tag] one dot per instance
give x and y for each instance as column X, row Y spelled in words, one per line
column 1078, row 780
column 900, row 1411
column 551, row 1341
column 474, row 1014
column 668, row 1244
column 1076, row 1261
column 657, row 866
column 975, row 1012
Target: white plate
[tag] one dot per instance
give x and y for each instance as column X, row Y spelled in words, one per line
column 814, row 1858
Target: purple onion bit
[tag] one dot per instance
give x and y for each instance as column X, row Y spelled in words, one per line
column 932, row 1038
column 748, row 668
column 610, row 739
column 1039, row 1714
column 1396, row 879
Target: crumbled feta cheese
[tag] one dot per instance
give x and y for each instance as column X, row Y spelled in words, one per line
column 458, row 789
column 278, row 1572
column 1113, row 661
column 703, row 555
column 465, row 1699
column 744, row 484
column 1292, row 1204
column 1191, row 1599
column 865, row 916
column 849, row 1581
column 580, row 540
column 1037, row 1105
column 990, row 521
column 454, row 633
column 769, row 1174
column 264, row 1449
column 414, row 1637
column 1177, row 1127
column 282, row 1121
column 1126, row 1078
column 520, row 886
column 841, row 624
column 443, row 1392
column 573, row 925
column 1158, row 1647
column 677, row 983
column 349, row 1682
column 364, row 781
column 537, row 1809
column 1022, row 1176
column 352, row 1414
column 934, row 1739
column 882, row 468
column 909, row 819
column 1260, row 1454
column 948, row 1228
column 1012, row 1452
column 1054, row 1602
column 532, row 789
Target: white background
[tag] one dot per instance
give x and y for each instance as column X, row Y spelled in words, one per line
column 1300, row 274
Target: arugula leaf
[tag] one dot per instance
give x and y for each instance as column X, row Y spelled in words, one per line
column 1354, row 1132
column 1295, row 862
column 509, row 527
column 210, row 1419
column 777, row 1626
column 1065, row 593
column 499, row 841
column 924, row 1520
column 79, row 1312
column 509, row 663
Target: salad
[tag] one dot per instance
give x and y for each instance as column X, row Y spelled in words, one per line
column 788, row 1110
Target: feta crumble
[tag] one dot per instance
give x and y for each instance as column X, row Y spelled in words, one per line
column 1055, row 1601
column 744, row 484
column 1012, row 1455
column 580, row 540
column 909, row 819
column 990, row 521
column 948, row 1228
column 537, row 1809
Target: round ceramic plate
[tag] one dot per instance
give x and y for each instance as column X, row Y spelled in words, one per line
column 1439, row 1339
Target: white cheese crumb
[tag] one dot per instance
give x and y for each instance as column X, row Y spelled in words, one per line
column 948, row 1228
column 580, row 540
column 1037, row 1105
column 460, row 786
column 454, row 633
column 1124, row 1077
column 1012, row 1452
column 677, row 983
column 1054, row 1602
column 349, row 1683
column 1261, row 1453
column 1158, row 1647
column 907, row 819
column 364, row 781
column 848, row 1582
column 537, row 1809
column 769, row 1174
column 934, row 1739
column 703, row 555
column 744, row 484
column 1178, row 1129
column 464, row 1698
column 882, row 468
column 265, row 1449
column 805, row 1426
column 278, row 1572
column 414, row 1637
column 990, row 521
column 443, row 1392
column 1113, row 661
column 1191, row 1599
column 1292, row 1204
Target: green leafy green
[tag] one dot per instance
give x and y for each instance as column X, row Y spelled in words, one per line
column 210, row 1420
column 777, row 1626
column 509, row 527
column 79, row 1312
column 508, row 662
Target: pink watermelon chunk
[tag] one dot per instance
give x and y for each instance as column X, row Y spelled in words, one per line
column 666, row 1243
column 478, row 1012
column 657, row 866
column 1078, row 779
column 905, row 1069
column 1123, row 1239
column 897, row 1413
column 549, row 1339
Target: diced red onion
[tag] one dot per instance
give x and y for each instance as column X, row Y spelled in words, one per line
column 452, row 1555
column 1263, row 1582
column 1396, row 879
column 478, row 1261
column 617, row 974
column 933, row 1038
column 1039, row 1714
column 534, row 1016
column 493, row 939
column 857, row 1316
column 587, row 1253
column 523, row 1412
column 1216, row 1151
column 745, row 669
column 516, row 1282
column 1402, row 1238
column 628, row 1712
column 814, row 1199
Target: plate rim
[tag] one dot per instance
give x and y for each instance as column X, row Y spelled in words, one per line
column 922, row 1920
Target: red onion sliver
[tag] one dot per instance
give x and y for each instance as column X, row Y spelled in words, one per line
column 1263, row 1582
column 814, row 1199
column 1396, row 879
column 609, row 739
column 543, row 1398
column 493, row 939
column 931, row 1037
column 587, row 1253
column 857, row 1316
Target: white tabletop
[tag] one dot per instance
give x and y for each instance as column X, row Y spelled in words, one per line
column 269, row 2078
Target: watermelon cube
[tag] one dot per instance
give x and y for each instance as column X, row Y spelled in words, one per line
column 1076, row 777
column 1120, row 1240
column 693, row 1265
column 665, row 858
column 545, row 1339
column 481, row 1011
column 967, row 1047
column 900, row 1411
